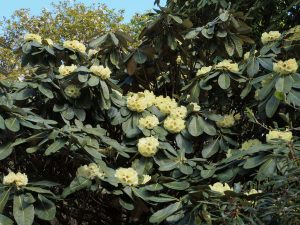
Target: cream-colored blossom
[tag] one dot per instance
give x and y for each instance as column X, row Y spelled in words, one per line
column 149, row 122
column 219, row 187
column 127, row 176
column 165, row 104
column 174, row 124
column 33, row 37
column 247, row 55
column 136, row 103
column 227, row 121
column 146, row 179
column 250, row 143
column 271, row 36
column 179, row 60
column 92, row 52
column 286, row 136
column 101, row 71
column 19, row 179
column 149, row 97
column 179, row 112
column 49, row 42
column 148, row 146
column 90, row 171
column 228, row 65
column 204, row 70
column 253, row 191
column 75, row 46
column 286, row 67
column 66, row 70
column 293, row 34
column 72, row 91
column 196, row 107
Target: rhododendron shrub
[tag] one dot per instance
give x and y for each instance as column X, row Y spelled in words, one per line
column 197, row 125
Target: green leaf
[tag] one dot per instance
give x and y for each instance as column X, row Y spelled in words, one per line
column 105, row 89
column 254, row 161
column 39, row 190
column 98, row 41
column 207, row 127
column 93, row 81
column 126, row 205
column 210, row 149
column 2, row 123
column 177, row 185
column 44, row 208
column 139, row 57
column 176, row 19
column 5, row 151
column 45, row 91
column 252, row 67
column 55, row 146
column 272, row 106
column 23, row 212
column 114, row 39
column 267, row 169
column 5, row 220
column 3, row 199
column 224, row 81
column 162, row 214
column 12, row 124
column 76, row 185
column 194, row 126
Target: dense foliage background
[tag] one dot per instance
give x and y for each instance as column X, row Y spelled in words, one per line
column 196, row 122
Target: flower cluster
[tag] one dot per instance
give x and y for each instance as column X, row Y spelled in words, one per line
column 285, row 67
column 19, row 179
column 33, row 37
column 92, row 52
column 250, row 143
column 165, row 104
column 203, row 70
column 219, row 187
column 75, row 46
column 66, row 70
column 196, row 107
column 253, row 192
column 140, row 101
column 286, row 136
column 227, row 121
column 148, row 146
column 49, row 42
column 174, row 124
column 101, row 71
column 149, row 122
column 127, row 176
column 228, row 65
column 90, row 171
column 72, row 91
column 179, row 112
column 271, row 36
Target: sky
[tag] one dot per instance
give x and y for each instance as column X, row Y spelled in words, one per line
column 7, row 7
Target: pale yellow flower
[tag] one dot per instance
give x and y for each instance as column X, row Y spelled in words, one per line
column 72, row 91
column 148, row 146
column 179, row 60
column 179, row 112
column 174, row 124
column 33, row 37
column 286, row 67
column 250, row 143
column 196, row 107
column 49, row 42
column 286, row 136
column 66, row 70
column 149, row 122
column 219, row 187
column 253, row 191
column 75, row 46
column 92, row 52
column 127, row 176
column 204, row 70
column 101, row 71
column 165, row 104
column 228, row 65
column 90, row 171
column 271, row 36
column 19, row 179
column 227, row 121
